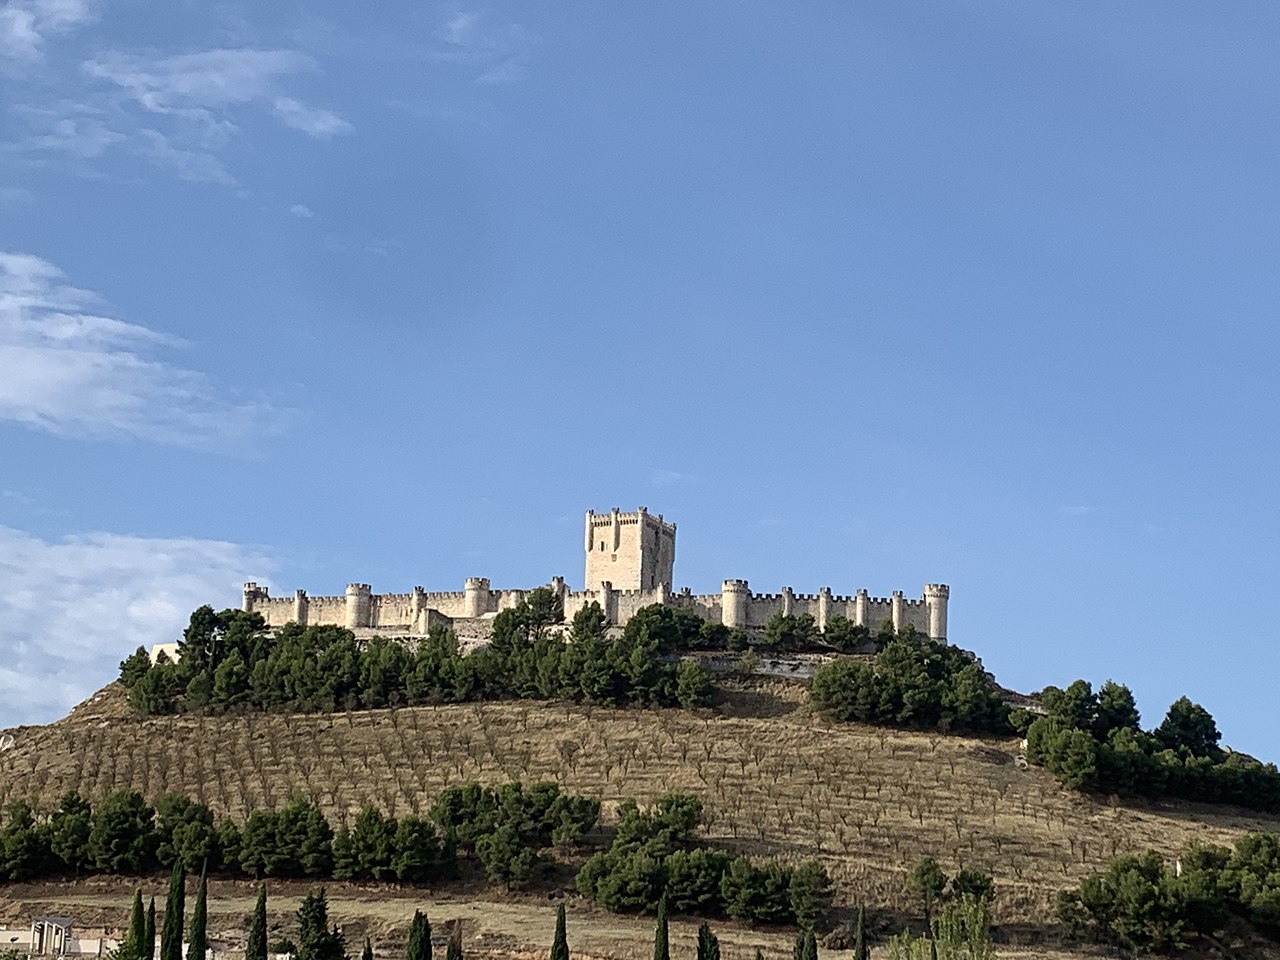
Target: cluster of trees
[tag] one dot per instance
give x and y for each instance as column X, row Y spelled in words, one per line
column 229, row 660
column 1094, row 741
column 799, row 631
column 914, row 682
column 507, row 828
column 1142, row 903
column 655, row 859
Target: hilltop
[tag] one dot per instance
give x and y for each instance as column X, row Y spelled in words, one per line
column 776, row 780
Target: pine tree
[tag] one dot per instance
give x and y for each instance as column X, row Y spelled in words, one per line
column 174, row 905
column 419, row 938
column 708, row 945
column 149, row 944
column 315, row 940
column 135, row 945
column 256, row 949
column 661, row 936
column 368, row 950
column 560, row 945
column 860, row 950
column 197, row 936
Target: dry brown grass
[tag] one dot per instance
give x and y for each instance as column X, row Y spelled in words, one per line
column 775, row 781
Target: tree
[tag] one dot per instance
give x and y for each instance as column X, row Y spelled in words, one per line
column 69, row 828
column 453, row 950
column 560, row 943
column 197, row 937
column 1117, row 710
column 708, row 945
column 661, row 936
column 134, row 666
column 973, row 883
column 151, row 930
column 810, row 894
column 256, row 948
column 927, row 881
column 861, row 951
column 1189, row 726
column 171, row 932
column 315, row 940
column 134, row 947
column 419, row 947
column 367, row 952
column 121, row 838
column 693, row 685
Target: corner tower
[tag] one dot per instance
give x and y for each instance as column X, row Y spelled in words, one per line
column 632, row 551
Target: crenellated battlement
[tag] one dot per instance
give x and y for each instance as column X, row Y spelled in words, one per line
column 630, row 558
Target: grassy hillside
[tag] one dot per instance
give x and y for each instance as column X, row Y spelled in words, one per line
column 775, row 781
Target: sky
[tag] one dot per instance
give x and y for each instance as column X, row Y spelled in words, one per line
column 859, row 295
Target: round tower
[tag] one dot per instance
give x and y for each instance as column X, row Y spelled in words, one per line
column 935, row 600
column 300, row 607
column 733, row 604
column 359, row 605
column 252, row 594
column 475, row 597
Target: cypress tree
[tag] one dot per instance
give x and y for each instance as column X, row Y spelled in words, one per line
column 368, row 950
column 860, row 950
column 149, row 941
column 560, row 945
column 810, row 946
column 197, row 936
column 708, row 944
column 256, row 949
column 454, row 950
column 661, row 937
column 174, row 905
column 135, row 946
column 419, row 938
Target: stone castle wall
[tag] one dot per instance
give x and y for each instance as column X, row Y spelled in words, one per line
column 629, row 562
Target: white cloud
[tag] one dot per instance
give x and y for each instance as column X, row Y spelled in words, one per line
column 73, row 608
column 302, row 210
column 316, row 123
column 26, row 25
column 198, row 166
column 212, row 79
column 501, row 50
column 71, row 371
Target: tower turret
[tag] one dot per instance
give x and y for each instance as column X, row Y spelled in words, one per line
column 475, row 597
column 359, row 610
column 734, row 595
column 935, row 600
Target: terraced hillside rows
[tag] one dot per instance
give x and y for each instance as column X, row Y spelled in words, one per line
column 775, row 781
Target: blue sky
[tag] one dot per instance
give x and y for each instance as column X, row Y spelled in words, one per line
column 859, row 295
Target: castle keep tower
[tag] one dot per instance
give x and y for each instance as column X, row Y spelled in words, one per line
column 631, row 551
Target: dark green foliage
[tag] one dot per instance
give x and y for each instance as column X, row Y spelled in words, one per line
column 175, row 902
column 757, row 894
column 315, row 940
column 296, row 841
column 928, row 882
column 1094, row 743
column 810, row 895
column 419, row 947
column 848, row 637
column 453, row 950
column 786, row 631
column 134, row 946
column 861, row 949
column 805, row 947
column 122, row 837
column 69, row 828
column 230, row 661
column 185, row 831
column 975, row 884
column 150, row 944
column 24, row 844
column 693, row 880
column 708, row 944
column 134, row 666
column 256, row 948
column 367, row 952
column 197, row 936
column 367, row 851
column 661, row 935
column 560, row 942
column 915, row 682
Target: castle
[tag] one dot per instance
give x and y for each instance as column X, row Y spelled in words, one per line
column 629, row 563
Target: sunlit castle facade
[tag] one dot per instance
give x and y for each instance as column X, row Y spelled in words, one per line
column 629, row 562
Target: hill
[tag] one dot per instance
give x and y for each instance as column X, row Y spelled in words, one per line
column 776, row 780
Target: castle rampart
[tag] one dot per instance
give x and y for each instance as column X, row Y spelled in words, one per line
column 637, row 547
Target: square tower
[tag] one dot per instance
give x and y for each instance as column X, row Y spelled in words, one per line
column 632, row 551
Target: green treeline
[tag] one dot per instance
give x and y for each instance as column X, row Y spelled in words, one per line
column 1094, row 741
column 1143, row 903
column 655, row 857
column 510, row 831
column 229, row 660
column 913, row 682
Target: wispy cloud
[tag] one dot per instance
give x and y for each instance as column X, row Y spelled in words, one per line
column 72, row 371
column 73, row 608
column 1075, row 510
column 27, row 25
column 316, row 123
column 667, row 478
column 499, row 52
column 302, row 210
